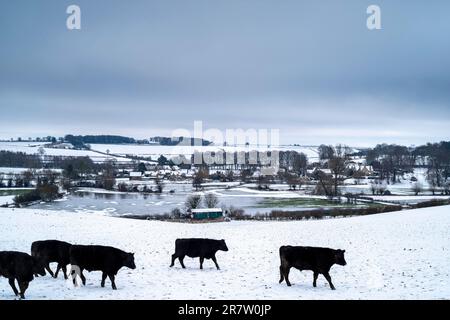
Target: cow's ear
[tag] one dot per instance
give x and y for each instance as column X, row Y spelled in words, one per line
column 343, row 251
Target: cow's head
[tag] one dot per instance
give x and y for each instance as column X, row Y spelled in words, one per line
column 38, row 266
column 339, row 257
column 129, row 261
column 223, row 245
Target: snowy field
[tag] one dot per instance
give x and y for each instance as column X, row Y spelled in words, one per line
column 119, row 151
column 155, row 151
column 33, row 148
column 4, row 200
column 401, row 255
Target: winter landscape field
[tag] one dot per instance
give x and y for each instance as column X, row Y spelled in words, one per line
column 402, row 255
column 135, row 133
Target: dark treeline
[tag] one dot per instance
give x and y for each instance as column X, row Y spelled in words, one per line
column 391, row 160
column 81, row 141
column 166, row 141
column 19, row 160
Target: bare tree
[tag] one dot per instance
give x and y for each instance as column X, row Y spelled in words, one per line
column 299, row 163
column 325, row 152
column 432, row 181
column 199, row 177
column 193, row 201
column 211, row 200
column 417, row 188
column 337, row 164
column 107, row 180
column 373, row 187
column 293, row 181
column 159, row 184
column 325, row 185
column 50, row 176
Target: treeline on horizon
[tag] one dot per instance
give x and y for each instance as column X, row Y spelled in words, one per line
column 381, row 155
column 83, row 141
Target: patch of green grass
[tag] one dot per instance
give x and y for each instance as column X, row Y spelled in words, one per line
column 307, row 203
column 13, row 192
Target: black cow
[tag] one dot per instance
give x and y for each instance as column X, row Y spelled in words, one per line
column 52, row 251
column 21, row 267
column 202, row 248
column 318, row 260
column 109, row 260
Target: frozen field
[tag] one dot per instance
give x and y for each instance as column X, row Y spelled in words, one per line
column 401, row 255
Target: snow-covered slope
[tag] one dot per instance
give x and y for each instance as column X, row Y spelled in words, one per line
column 155, row 151
column 402, row 255
column 33, row 148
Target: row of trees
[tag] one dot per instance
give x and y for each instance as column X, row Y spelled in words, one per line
column 82, row 141
column 393, row 160
column 19, row 160
column 42, row 192
column 436, row 156
column 194, row 201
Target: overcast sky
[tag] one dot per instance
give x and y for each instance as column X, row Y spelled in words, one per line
column 309, row 68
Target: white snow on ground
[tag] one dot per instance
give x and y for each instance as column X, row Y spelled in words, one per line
column 33, row 148
column 401, row 255
column 6, row 200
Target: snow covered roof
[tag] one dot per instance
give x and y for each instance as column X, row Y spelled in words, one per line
column 135, row 174
column 327, row 171
column 206, row 210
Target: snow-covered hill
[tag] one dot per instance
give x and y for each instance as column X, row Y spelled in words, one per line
column 402, row 255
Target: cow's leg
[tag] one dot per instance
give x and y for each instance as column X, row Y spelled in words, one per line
column 327, row 276
column 57, row 270
column 181, row 262
column 316, row 274
column 215, row 262
column 83, row 278
column 281, row 275
column 174, row 256
column 286, row 275
column 23, row 286
column 73, row 274
column 75, row 271
column 113, row 283
column 201, row 262
column 47, row 267
column 13, row 286
column 104, row 275
column 64, row 269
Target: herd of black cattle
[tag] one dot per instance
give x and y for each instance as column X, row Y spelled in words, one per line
column 22, row 267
